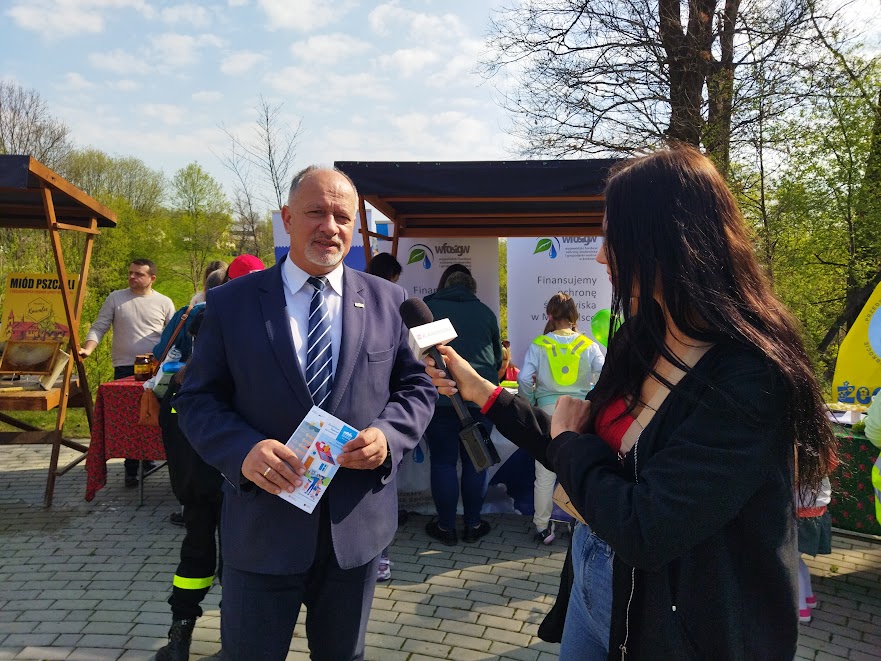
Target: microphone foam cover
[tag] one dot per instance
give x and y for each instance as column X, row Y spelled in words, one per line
column 415, row 313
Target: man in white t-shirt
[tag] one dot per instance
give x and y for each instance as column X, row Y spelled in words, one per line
column 138, row 315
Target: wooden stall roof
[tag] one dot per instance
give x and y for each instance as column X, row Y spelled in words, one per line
column 485, row 198
column 21, row 203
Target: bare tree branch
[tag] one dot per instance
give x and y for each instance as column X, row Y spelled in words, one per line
column 27, row 127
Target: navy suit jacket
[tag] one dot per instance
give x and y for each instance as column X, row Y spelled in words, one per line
column 244, row 384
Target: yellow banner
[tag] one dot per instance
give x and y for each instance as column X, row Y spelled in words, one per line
column 33, row 309
column 858, row 369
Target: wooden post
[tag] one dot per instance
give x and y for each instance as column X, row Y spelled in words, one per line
column 397, row 227
column 362, row 211
column 73, row 344
column 55, row 239
column 85, row 392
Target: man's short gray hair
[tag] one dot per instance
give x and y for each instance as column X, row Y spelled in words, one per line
column 311, row 169
column 464, row 279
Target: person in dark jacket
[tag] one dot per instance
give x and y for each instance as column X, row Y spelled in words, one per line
column 184, row 340
column 700, row 513
column 480, row 341
column 197, row 486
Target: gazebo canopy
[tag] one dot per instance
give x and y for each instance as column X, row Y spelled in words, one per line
column 485, row 198
column 22, row 179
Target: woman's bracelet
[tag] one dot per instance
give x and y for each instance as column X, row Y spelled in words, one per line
column 492, row 400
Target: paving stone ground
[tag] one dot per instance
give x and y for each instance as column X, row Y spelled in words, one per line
column 89, row 581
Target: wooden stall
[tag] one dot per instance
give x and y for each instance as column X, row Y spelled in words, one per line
column 34, row 197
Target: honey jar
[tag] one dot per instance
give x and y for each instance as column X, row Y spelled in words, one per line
column 143, row 366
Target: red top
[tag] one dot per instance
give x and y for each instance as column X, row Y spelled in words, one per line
column 610, row 427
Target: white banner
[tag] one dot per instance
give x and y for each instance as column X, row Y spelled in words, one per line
column 425, row 260
column 540, row 267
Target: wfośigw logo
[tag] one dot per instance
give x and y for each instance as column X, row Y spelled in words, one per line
column 421, row 253
column 550, row 246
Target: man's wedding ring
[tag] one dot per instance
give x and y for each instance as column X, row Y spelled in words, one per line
column 266, row 472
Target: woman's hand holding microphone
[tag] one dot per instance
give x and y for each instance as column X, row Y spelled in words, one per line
column 570, row 415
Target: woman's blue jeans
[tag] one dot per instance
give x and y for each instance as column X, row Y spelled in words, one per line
column 446, row 449
column 589, row 616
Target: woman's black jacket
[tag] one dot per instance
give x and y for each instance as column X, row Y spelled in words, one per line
column 700, row 514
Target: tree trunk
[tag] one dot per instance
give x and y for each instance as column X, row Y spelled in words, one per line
column 720, row 92
column 688, row 56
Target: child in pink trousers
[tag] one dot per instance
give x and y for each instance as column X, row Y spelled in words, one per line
column 814, row 538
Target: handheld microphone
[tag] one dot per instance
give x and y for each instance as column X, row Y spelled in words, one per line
column 425, row 335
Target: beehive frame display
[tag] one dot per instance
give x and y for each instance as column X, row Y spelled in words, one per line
column 29, row 357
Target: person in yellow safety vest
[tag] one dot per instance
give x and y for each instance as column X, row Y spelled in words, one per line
column 560, row 362
column 873, row 433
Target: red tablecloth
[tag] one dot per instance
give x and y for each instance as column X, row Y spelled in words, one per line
column 116, row 433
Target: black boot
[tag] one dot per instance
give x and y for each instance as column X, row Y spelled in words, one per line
column 179, row 637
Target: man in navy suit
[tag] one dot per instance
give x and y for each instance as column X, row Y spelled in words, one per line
column 260, row 363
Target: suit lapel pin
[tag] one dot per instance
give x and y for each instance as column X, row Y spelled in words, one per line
column 359, row 305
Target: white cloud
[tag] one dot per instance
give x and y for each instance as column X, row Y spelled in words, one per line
column 237, row 3
column 119, row 61
column 158, row 144
column 165, row 52
column 74, row 82
column 304, row 15
column 388, row 19
column 332, row 86
column 206, row 96
column 195, row 15
column 164, row 112
column 172, row 50
column 413, row 136
column 329, row 48
column 125, row 85
column 408, row 61
column 440, row 50
column 69, row 17
column 459, row 68
column 292, row 78
column 240, row 62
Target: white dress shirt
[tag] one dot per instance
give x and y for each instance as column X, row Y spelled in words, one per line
column 298, row 297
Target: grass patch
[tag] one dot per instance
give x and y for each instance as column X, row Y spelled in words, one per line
column 75, row 426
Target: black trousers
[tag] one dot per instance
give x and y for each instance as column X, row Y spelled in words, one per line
column 198, row 559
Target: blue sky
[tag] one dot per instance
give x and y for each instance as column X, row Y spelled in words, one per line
column 155, row 79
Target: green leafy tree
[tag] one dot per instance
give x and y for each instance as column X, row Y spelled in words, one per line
column 816, row 213
column 201, row 219
column 135, row 192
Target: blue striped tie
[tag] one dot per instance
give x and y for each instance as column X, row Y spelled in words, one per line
column 319, row 354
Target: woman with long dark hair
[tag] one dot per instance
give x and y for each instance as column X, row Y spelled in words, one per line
column 700, row 511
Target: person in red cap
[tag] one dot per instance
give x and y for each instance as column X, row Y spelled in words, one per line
column 197, row 486
column 243, row 265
